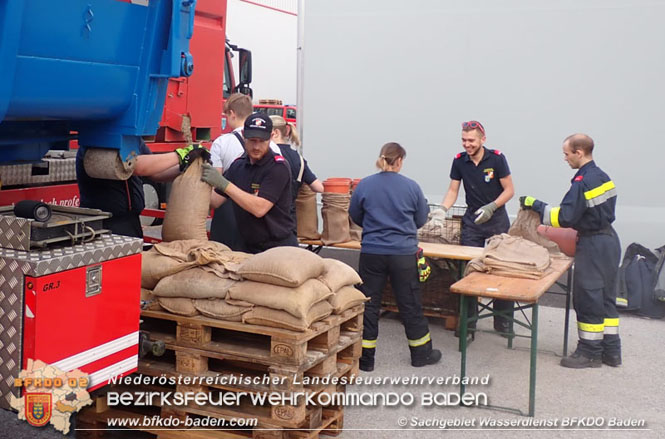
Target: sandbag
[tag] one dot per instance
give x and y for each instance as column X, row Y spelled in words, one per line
column 295, row 301
column 195, row 283
column 335, row 214
column 346, row 298
column 149, row 301
column 307, row 216
column 188, row 206
column 280, row 319
column 337, row 274
column 355, row 231
column 526, row 225
column 178, row 305
column 285, row 266
column 219, row 309
column 155, row 266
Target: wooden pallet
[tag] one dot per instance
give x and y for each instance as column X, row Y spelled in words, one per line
column 253, row 343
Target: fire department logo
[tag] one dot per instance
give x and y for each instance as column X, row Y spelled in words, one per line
column 38, row 408
column 489, row 174
column 258, row 122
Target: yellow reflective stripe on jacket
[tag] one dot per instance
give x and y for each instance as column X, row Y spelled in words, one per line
column 369, row 344
column 421, row 341
column 600, row 194
column 611, row 326
column 590, row 331
column 622, row 301
column 554, row 216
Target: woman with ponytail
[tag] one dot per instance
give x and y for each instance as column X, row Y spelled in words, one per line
column 390, row 208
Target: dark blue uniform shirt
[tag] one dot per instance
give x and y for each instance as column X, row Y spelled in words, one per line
column 269, row 178
column 481, row 182
column 589, row 205
column 308, row 177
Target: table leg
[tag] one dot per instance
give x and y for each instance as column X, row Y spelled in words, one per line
column 462, row 340
column 569, row 289
column 532, row 371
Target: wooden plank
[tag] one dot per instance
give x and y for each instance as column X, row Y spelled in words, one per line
column 430, row 249
column 508, row 288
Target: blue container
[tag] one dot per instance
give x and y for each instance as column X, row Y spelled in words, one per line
column 99, row 67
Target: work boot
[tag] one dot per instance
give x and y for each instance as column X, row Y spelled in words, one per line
column 579, row 361
column 613, row 360
column 433, row 358
column 502, row 327
column 367, row 360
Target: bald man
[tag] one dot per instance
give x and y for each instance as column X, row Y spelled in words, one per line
column 588, row 207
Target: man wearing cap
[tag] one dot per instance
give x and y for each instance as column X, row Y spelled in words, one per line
column 488, row 187
column 259, row 183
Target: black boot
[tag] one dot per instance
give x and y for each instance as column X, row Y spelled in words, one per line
column 613, row 360
column 367, row 360
column 580, row 361
column 433, row 358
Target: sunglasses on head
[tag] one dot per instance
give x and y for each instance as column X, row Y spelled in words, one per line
column 473, row 125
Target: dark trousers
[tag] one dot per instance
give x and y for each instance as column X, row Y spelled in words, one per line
column 289, row 241
column 403, row 273
column 474, row 235
column 594, row 294
column 224, row 227
column 128, row 225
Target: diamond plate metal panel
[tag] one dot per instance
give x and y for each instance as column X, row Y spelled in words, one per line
column 60, row 170
column 15, row 232
column 15, row 264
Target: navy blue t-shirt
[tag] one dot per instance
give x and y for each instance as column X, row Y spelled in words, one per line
column 481, row 182
column 390, row 208
column 269, row 178
column 119, row 197
column 308, row 177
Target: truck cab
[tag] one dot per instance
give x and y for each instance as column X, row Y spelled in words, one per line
column 274, row 107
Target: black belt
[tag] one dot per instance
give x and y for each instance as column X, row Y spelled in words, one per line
column 609, row 230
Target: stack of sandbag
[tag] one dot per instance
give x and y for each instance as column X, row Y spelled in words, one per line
column 512, row 256
column 292, row 288
column 185, row 275
column 439, row 229
column 281, row 284
column 340, row 279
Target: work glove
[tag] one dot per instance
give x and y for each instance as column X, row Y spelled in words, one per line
column 485, row 213
column 213, row 177
column 424, row 270
column 187, row 155
column 438, row 215
column 527, row 202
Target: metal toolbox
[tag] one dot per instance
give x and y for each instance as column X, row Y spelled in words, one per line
column 67, row 225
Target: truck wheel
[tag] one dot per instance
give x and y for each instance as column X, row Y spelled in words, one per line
column 152, row 201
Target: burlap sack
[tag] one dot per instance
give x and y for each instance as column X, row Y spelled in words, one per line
column 335, row 214
column 188, row 206
column 440, row 229
column 355, row 231
column 195, row 283
column 307, row 214
column 295, row 301
column 337, row 274
column 345, row 298
column 526, row 225
column 280, row 319
column 285, row 266
column 155, row 266
column 178, row 305
column 149, row 301
column 219, row 309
